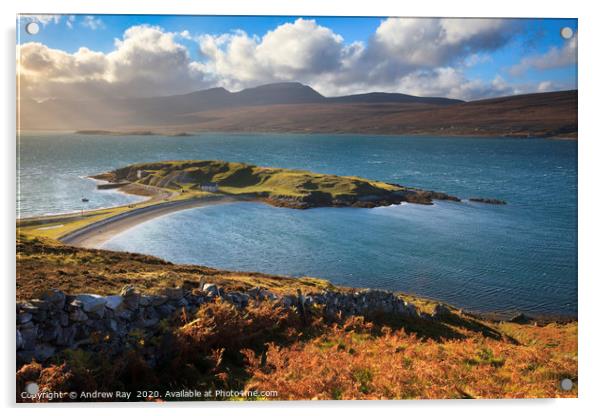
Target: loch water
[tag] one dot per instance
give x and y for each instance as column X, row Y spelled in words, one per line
column 486, row 258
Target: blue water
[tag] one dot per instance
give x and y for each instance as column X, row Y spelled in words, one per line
column 521, row 256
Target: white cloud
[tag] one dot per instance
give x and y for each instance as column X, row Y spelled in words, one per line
column 415, row 56
column 146, row 61
column 304, row 51
column 298, row 51
column 93, row 23
column 554, row 58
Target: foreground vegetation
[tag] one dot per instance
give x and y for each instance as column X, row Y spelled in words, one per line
column 265, row 347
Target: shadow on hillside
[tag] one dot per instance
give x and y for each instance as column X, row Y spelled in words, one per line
column 453, row 326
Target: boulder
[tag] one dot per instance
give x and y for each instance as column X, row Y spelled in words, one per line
column 91, row 303
column 441, row 311
column 211, row 289
column 114, row 302
column 77, row 315
column 521, row 318
column 19, row 340
column 173, row 293
column 55, row 297
column 158, row 300
column 66, row 336
column 24, row 317
column 29, row 337
column 42, row 352
column 128, row 290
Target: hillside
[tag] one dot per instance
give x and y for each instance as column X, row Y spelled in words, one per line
column 435, row 352
column 281, row 187
column 294, row 107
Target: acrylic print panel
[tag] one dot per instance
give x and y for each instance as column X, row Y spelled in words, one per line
column 293, row 208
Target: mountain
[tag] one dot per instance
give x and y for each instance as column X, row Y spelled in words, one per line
column 294, row 107
column 386, row 97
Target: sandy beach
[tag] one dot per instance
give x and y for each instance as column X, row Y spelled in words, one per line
column 96, row 234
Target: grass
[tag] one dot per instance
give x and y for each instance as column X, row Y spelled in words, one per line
column 43, row 263
column 239, row 178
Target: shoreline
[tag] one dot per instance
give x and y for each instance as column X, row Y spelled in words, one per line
column 193, row 133
column 98, row 233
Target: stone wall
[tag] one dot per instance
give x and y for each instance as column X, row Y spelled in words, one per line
column 58, row 321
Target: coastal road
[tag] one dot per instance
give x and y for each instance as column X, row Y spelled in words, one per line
column 96, row 234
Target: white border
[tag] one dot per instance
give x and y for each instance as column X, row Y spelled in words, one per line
column 590, row 96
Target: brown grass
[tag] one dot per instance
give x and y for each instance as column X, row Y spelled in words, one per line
column 44, row 264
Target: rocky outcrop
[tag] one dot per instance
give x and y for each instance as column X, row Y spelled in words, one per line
column 58, row 321
column 320, row 199
column 491, row 201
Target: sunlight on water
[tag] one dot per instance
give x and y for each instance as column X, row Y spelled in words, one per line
column 519, row 256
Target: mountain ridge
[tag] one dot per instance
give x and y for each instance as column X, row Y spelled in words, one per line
column 295, row 107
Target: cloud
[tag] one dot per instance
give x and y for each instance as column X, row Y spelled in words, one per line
column 93, row 23
column 43, row 19
column 554, row 58
column 146, row 61
column 69, row 22
column 298, row 51
column 400, row 49
column 415, row 56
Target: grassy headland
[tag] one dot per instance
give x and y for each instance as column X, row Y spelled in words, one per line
column 174, row 185
column 282, row 187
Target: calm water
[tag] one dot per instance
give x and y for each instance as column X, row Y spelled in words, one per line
column 521, row 256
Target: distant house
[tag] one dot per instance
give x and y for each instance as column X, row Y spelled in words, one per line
column 210, row 187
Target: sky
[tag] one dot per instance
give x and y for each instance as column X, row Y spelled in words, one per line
column 98, row 56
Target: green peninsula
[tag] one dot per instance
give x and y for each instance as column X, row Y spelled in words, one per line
column 281, row 187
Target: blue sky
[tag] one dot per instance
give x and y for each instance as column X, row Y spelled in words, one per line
column 507, row 57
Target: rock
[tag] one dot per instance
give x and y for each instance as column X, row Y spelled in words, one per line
column 55, row 297
column 66, row 337
column 25, row 356
column 128, row 290
column 131, row 297
column 42, row 352
column 492, row 201
column 165, row 310
column 173, row 293
column 51, row 332
column 63, row 318
column 39, row 303
column 24, row 317
column 29, row 338
column 112, row 325
column 92, row 304
column 78, row 315
column 182, row 303
column 411, row 310
column 144, row 300
column 19, row 340
column 114, row 302
column 441, row 311
column 521, row 318
column 211, row 289
column 158, row 300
